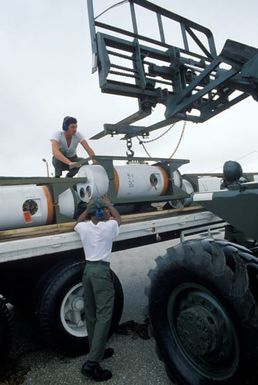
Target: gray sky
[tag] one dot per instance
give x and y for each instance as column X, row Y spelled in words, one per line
column 45, row 74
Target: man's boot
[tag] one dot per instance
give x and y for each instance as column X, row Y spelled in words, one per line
column 94, row 371
column 109, row 352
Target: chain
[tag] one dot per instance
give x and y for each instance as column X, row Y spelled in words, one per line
column 158, row 137
column 149, row 141
column 129, row 144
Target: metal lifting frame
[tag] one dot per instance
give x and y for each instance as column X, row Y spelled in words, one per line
column 193, row 86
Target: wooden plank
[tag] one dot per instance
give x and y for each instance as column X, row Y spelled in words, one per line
column 160, row 214
column 38, row 231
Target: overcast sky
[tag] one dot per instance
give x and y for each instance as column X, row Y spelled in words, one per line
column 45, row 74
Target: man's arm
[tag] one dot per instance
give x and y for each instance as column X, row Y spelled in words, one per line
column 89, row 150
column 115, row 214
column 86, row 146
column 83, row 217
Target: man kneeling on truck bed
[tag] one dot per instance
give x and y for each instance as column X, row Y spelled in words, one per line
column 64, row 145
column 97, row 226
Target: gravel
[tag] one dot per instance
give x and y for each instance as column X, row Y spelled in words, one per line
column 135, row 361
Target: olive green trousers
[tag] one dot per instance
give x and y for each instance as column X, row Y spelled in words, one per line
column 99, row 297
column 60, row 166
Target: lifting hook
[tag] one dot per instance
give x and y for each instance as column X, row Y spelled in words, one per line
column 129, row 152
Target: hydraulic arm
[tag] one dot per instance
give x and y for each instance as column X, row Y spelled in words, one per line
column 191, row 80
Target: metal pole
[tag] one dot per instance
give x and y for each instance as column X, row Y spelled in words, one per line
column 93, row 36
column 45, row 161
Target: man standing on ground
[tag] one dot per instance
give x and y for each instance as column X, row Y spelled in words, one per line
column 64, row 145
column 97, row 226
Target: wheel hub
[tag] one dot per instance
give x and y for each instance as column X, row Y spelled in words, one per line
column 203, row 329
column 78, row 304
column 197, row 331
column 72, row 312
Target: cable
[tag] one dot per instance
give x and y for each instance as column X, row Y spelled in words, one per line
column 236, row 160
column 112, row 6
column 178, row 144
column 244, row 156
column 145, row 149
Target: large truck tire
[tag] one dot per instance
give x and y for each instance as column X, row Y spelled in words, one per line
column 204, row 315
column 6, row 329
column 60, row 309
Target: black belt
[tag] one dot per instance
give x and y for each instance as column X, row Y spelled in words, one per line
column 98, row 263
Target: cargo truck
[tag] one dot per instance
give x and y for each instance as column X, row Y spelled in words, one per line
column 203, row 293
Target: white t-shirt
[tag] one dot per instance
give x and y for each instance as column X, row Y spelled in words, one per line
column 70, row 151
column 97, row 239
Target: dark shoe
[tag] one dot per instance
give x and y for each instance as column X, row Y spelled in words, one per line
column 109, row 352
column 94, row 371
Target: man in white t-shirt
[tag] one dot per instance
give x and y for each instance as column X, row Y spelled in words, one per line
column 98, row 226
column 64, row 146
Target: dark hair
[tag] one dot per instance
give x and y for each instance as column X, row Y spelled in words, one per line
column 95, row 208
column 67, row 121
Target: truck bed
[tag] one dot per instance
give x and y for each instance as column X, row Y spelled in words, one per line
column 136, row 229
